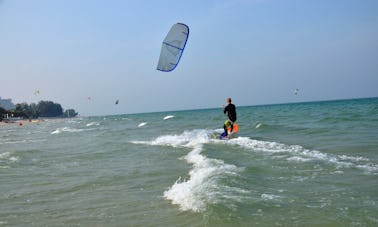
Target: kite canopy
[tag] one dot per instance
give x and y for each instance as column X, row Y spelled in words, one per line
column 173, row 47
column 296, row 91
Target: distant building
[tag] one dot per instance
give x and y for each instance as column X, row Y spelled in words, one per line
column 7, row 104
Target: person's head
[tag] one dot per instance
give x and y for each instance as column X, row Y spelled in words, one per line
column 228, row 100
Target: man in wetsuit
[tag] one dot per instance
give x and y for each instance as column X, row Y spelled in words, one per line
column 230, row 109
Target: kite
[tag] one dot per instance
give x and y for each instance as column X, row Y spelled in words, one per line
column 172, row 48
column 296, row 91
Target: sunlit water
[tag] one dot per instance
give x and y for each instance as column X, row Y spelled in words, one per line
column 306, row 164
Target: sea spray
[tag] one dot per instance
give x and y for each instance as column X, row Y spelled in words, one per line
column 203, row 187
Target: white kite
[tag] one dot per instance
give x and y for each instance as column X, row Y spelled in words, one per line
column 172, row 48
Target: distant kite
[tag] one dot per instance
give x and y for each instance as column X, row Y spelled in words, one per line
column 36, row 92
column 117, row 102
column 173, row 46
column 296, row 91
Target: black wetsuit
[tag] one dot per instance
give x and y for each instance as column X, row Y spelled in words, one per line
column 231, row 112
column 230, row 109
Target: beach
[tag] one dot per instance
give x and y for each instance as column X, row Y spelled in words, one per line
column 20, row 122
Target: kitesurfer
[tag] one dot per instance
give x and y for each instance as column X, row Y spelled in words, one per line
column 230, row 109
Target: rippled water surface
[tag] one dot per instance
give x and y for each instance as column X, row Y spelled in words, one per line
column 291, row 164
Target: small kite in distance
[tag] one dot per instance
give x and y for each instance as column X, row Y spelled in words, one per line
column 116, row 102
column 296, row 91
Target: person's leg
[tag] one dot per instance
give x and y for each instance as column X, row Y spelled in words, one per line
column 227, row 124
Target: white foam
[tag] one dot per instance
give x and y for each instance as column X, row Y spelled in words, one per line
column 267, row 197
column 369, row 168
column 357, row 159
column 168, row 117
column 298, row 159
column 8, row 156
column 13, row 159
column 298, row 153
column 94, row 123
column 5, row 155
column 203, row 186
column 66, row 129
column 142, row 124
column 257, row 145
column 15, row 141
column 186, row 139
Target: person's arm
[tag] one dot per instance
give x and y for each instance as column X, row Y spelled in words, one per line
column 225, row 109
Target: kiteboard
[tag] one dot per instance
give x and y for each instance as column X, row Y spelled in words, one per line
column 230, row 134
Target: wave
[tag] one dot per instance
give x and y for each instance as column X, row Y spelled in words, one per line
column 66, row 129
column 269, row 197
column 258, row 125
column 297, row 153
column 27, row 140
column 168, row 117
column 203, row 187
column 94, row 123
column 205, row 184
column 7, row 156
column 142, row 124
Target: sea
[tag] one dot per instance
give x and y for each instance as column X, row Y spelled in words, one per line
column 296, row 164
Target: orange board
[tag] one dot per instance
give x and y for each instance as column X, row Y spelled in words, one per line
column 235, row 128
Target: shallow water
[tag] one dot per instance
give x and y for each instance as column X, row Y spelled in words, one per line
column 291, row 164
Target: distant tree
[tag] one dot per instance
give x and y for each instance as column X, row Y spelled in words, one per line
column 2, row 112
column 49, row 109
column 70, row 113
column 42, row 109
column 22, row 110
column 34, row 110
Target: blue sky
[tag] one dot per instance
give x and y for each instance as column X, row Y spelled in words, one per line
column 255, row 51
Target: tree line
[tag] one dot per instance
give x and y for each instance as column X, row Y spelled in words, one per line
column 42, row 109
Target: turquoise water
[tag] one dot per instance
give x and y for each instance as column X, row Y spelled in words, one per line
column 303, row 164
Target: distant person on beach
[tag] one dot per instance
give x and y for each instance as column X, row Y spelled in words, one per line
column 230, row 109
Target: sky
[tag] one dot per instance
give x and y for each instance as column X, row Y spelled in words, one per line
column 254, row 51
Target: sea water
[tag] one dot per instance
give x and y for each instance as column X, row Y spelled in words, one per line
column 301, row 164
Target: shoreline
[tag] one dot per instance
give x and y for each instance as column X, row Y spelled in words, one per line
column 20, row 122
